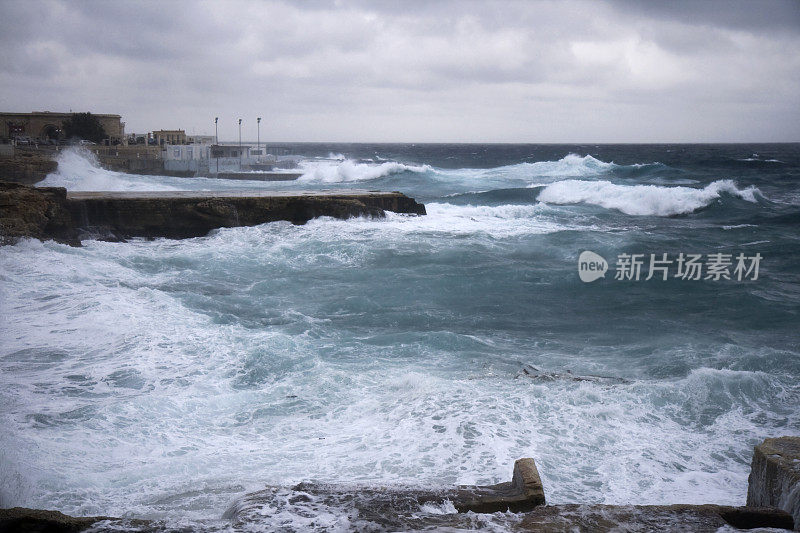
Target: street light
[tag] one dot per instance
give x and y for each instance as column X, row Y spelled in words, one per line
column 216, row 142
column 258, row 143
column 240, row 141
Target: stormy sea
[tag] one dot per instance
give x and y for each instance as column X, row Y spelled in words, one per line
column 165, row 379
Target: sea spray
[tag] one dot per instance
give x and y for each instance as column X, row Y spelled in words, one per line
column 642, row 199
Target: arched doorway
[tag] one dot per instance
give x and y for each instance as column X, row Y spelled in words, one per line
column 51, row 131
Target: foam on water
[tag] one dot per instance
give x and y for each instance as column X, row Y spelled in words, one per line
column 159, row 402
column 79, row 170
column 642, row 199
column 352, row 171
column 165, row 379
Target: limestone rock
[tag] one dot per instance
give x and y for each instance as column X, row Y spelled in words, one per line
column 41, row 213
column 26, row 167
column 52, row 213
column 775, row 476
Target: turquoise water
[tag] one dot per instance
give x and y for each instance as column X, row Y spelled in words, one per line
column 164, row 379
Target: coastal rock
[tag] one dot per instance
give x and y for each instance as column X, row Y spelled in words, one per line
column 52, row 213
column 22, row 520
column 26, row 167
column 396, row 508
column 532, row 372
column 41, row 213
column 775, row 476
column 608, row 518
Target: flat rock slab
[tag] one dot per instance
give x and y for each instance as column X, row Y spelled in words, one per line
column 52, row 213
column 647, row 518
column 233, row 193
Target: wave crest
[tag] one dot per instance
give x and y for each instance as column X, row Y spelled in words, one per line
column 349, row 171
column 642, row 199
column 79, row 170
column 570, row 165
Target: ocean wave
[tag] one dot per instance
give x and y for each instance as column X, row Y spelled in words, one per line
column 642, row 199
column 569, row 165
column 350, row 171
column 444, row 219
column 79, row 170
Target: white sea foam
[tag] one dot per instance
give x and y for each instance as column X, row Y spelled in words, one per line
column 571, row 165
column 541, row 172
column 164, row 378
column 443, row 219
column 642, row 199
column 351, row 171
column 79, row 170
column 748, row 159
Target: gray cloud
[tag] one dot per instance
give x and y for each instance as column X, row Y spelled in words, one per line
column 415, row 71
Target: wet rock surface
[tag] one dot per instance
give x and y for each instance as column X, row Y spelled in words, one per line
column 51, row 213
column 775, row 476
column 518, row 505
column 22, row 520
column 644, row 518
column 396, row 508
column 26, row 167
column 41, row 213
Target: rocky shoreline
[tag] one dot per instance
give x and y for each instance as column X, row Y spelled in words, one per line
column 27, row 166
column 773, row 496
column 51, row 213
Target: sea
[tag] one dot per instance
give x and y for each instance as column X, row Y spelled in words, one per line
column 165, row 379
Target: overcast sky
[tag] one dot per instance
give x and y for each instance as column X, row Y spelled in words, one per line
column 450, row 71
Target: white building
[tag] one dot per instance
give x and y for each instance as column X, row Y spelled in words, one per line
column 186, row 152
column 208, row 159
column 200, row 139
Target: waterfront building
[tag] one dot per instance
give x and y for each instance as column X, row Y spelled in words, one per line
column 43, row 126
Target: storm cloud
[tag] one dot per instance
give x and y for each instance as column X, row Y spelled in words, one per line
column 616, row 71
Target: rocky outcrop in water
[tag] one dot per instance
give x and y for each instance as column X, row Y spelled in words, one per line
column 22, row 520
column 52, row 213
column 393, row 508
column 775, row 476
column 616, row 518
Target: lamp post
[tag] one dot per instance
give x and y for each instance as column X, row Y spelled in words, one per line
column 240, row 142
column 258, row 143
column 216, row 142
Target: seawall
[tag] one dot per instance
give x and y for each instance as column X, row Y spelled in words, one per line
column 53, row 213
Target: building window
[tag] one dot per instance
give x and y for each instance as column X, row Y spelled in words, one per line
column 177, row 153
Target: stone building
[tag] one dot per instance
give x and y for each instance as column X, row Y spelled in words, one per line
column 44, row 125
column 163, row 137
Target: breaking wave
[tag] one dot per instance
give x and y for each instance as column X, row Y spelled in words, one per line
column 642, row 199
column 79, row 170
column 570, row 165
column 349, row 171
